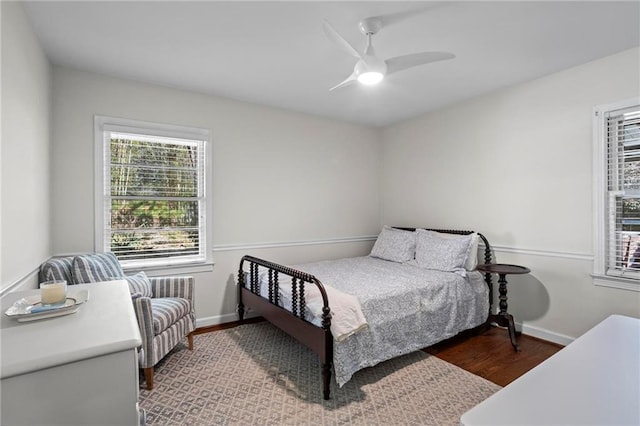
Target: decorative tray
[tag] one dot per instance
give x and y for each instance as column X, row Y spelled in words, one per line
column 21, row 309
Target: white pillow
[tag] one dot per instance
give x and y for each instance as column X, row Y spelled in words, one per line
column 472, row 258
column 396, row 245
column 433, row 251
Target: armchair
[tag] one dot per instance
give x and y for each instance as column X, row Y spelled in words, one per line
column 164, row 306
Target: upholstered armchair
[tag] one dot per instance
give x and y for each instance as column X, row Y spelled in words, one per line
column 164, row 306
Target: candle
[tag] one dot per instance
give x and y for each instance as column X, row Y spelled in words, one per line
column 53, row 293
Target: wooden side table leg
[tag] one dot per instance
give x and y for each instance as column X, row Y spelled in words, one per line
column 506, row 317
column 502, row 280
column 512, row 331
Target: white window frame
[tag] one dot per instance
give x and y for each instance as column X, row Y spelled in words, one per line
column 600, row 199
column 172, row 265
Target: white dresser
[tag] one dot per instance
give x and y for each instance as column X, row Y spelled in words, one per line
column 78, row 369
column 593, row 381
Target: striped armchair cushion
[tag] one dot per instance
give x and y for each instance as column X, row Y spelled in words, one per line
column 91, row 268
column 139, row 285
column 57, row 268
column 167, row 311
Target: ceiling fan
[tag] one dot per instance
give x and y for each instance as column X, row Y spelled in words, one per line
column 370, row 69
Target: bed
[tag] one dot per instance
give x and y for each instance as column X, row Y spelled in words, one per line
column 417, row 287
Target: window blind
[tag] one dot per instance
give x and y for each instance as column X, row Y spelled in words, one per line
column 623, row 191
column 154, row 197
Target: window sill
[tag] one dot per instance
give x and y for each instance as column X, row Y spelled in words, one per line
column 616, row 282
column 159, row 271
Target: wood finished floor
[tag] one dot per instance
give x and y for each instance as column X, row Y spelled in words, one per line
column 491, row 356
column 488, row 355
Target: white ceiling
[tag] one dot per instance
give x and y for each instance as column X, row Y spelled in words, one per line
column 276, row 54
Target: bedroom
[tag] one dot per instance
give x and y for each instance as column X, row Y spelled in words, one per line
column 526, row 172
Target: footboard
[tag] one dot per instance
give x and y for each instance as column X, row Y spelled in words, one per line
column 293, row 322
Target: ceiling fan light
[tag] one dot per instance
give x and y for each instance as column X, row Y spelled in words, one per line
column 370, row 77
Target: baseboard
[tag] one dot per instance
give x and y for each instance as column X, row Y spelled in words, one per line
column 220, row 319
column 547, row 335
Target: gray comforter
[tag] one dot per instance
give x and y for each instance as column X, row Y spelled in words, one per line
column 407, row 308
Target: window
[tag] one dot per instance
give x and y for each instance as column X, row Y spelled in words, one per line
column 617, row 194
column 151, row 193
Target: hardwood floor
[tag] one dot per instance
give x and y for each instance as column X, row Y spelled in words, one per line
column 490, row 354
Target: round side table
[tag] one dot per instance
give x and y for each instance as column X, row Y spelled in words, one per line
column 504, row 318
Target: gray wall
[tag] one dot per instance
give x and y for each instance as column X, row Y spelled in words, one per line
column 25, row 152
column 516, row 165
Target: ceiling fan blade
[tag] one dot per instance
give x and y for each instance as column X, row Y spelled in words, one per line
column 336, row 38
column 390, row 19
column 394, row 18
column 400, row 63
column 353, row 77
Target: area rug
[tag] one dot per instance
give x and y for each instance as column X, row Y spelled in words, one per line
column 255, row 374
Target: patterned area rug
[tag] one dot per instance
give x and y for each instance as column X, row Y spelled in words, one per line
column 256, row 374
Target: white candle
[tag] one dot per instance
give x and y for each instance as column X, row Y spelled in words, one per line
column 53, row 292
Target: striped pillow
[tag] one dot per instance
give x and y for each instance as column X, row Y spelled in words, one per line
column 91, row 268
column 56, row 269
column 139, row 285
